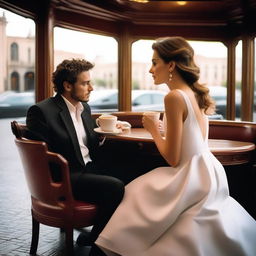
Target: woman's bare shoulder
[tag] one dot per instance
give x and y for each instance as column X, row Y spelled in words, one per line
column 174, row 97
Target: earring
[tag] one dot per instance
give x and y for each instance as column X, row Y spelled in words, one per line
column 170, row 76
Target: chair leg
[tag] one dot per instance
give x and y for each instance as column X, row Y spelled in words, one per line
column 69, row 240
column 35, row 236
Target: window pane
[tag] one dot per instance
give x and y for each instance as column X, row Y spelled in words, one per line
column 145, row 94
column 211, row 57
column 213, row 68
column 98, row 49
column 17, row 66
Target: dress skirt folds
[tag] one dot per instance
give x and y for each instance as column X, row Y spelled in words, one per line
column 181, row 211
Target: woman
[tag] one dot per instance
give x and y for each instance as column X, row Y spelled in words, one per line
column 184, row 209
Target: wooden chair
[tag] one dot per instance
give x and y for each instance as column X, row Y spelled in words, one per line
column 52, row 202
column 18, row 129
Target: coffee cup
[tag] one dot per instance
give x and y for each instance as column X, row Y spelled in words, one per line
column 107, row 123
column 152, row 115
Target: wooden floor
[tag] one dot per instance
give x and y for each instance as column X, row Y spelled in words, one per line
column 15, row 219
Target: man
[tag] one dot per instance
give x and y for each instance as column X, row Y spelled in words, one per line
column 64, row 122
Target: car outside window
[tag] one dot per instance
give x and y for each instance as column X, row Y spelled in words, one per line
column 157, row 99
column 143, row 100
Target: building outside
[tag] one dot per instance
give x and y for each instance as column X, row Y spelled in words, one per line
column 3, row 54
column 17, row 66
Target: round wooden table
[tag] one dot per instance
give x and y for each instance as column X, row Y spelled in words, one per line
column 228, row 152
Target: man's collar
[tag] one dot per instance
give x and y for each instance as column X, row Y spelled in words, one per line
column 71, row 107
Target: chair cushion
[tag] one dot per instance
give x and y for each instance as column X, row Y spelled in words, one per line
column 79, row 214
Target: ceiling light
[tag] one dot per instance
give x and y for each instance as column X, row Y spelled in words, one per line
column 181, row 2
column 140, row 1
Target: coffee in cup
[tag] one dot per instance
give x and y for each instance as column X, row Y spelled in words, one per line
column 152, row 115
column 107, row 123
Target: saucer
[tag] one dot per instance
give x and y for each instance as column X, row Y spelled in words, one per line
column 116, row 131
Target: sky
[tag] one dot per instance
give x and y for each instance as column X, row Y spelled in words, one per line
column 79, row 42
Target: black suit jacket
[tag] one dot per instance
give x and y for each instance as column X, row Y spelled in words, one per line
column 50, row 121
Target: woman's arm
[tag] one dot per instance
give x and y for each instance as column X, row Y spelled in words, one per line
column 170, row 146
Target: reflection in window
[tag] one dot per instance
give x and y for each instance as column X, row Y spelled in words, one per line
column 98, row 49
column 14, row 52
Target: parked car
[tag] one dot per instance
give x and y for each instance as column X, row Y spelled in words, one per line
column 142, row 100
column 15, row 104
column 219, row 94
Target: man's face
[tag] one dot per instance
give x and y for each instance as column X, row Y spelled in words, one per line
column 82, row 88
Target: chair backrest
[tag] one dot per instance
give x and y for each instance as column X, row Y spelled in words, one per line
column 36, row 160
column 18, row 129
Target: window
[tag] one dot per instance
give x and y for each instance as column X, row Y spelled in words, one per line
column 157, row 99
column 145, row 99
column 29, row 55
column 213, row 69
column 98, row 49
column 14, row 52
column 144, row 92
column 213, row 63
column 17, row 73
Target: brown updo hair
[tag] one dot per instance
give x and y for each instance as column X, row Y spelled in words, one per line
column 177, row 49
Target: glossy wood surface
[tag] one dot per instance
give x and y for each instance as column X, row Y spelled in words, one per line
column 228, row 152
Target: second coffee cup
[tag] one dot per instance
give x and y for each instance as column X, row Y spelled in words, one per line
column 107, row 123
column 153, row 115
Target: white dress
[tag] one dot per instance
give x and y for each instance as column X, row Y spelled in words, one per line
column 181, row 211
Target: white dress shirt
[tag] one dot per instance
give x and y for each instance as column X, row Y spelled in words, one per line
column 75, row 113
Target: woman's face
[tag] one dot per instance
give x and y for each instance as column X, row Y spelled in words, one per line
column 159, row 69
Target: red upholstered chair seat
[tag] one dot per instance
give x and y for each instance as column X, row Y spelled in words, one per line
column 52, row 202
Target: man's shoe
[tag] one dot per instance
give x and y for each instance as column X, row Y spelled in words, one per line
column 84, row 239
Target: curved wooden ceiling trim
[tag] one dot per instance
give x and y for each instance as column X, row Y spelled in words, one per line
column 217, row 18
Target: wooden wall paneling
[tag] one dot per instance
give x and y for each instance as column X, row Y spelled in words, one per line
column 44, row 51
column 231, row 78
column 202, row 33
column 124, row 69
column 247, row 78
column 86, row 23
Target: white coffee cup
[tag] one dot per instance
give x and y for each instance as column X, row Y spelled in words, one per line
column 107, row 123
column 152, row 115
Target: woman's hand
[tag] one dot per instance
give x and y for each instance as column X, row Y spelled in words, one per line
column 149, row 124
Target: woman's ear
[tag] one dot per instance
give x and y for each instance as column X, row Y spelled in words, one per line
column 172, row 65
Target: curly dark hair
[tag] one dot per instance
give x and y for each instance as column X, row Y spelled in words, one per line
column 177, row 49
column 68, row 70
